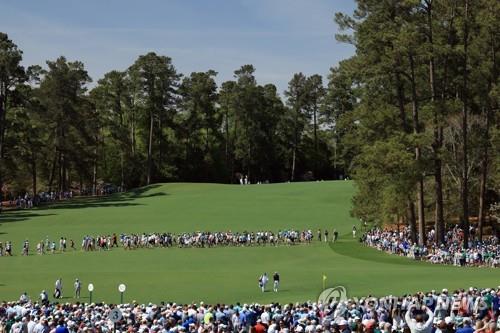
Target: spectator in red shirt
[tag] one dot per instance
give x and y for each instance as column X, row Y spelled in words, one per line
column 259, row 327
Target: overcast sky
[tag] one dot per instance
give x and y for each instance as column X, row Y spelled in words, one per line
column 279, row 37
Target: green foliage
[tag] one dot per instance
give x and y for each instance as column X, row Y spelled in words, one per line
column 414, row 111
column 406, row 89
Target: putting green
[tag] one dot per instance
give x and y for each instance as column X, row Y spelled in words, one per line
column 226, row 274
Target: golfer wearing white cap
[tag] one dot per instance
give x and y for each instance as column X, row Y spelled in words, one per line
column 58, row 288
column 78, row 287
column 263, row 279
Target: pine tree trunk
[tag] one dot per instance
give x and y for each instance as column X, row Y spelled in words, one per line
column 150, row 148
column 160, row 142
column 81, row 182
column 228, row 167
column 420, row 182
column 249, row 161
column 122, row 167
column 401, row 98
column 412, row 220
column 420, row 209
column 52, row 171
column 59, row 172
column 438, row 187
column 3, row 110
column 482, row 192
column 484, row 177
column 437, row 144
column 132, row 133
column 61, row 160
column 94, row 171
column 315, row 143
column 465, row 177
column 33, row 174
column 65, row 173
column 485, row 160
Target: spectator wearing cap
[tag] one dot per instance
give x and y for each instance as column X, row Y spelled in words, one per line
column 449, row 325
column 343, row 327
column 259, row 327
column 467, row 328
column 442, row 305
column 369, row 325
column 417, row 324
column 337, row 317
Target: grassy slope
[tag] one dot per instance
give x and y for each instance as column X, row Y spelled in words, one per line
column 219, row 274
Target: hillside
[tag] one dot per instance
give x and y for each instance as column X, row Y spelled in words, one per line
column 223, row 274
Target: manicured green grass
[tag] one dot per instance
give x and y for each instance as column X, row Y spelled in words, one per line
column 215, row 274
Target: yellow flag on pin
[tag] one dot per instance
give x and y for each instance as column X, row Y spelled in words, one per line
column 324, row 280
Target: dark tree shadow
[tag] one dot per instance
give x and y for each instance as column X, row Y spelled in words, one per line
column 80, row 205
column 17, row 216
column 351, row 248
column 113, row 200
column 125, row 199
column 140, row 192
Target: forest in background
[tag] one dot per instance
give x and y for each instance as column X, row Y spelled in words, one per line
column 412, row 117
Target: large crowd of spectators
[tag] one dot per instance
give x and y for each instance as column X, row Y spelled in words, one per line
column 462, row 311
column 478, row 253
column 195, row 239
column 211, row 239
column 165, row 239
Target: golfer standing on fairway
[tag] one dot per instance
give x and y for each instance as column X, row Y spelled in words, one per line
column 276, row 280
column 78, row 287
column 58, row 291
column 263, row 281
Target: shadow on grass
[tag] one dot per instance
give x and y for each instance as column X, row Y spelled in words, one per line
column 115, row 200
column 17, row 216
column 356, row 250
column 87, row 204
column 139, row 192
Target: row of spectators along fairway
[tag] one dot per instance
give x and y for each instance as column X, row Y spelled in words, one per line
column 220, row 273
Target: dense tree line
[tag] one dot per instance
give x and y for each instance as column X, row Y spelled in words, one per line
column 413, row 117
column 150, row 123
column 423, row 130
